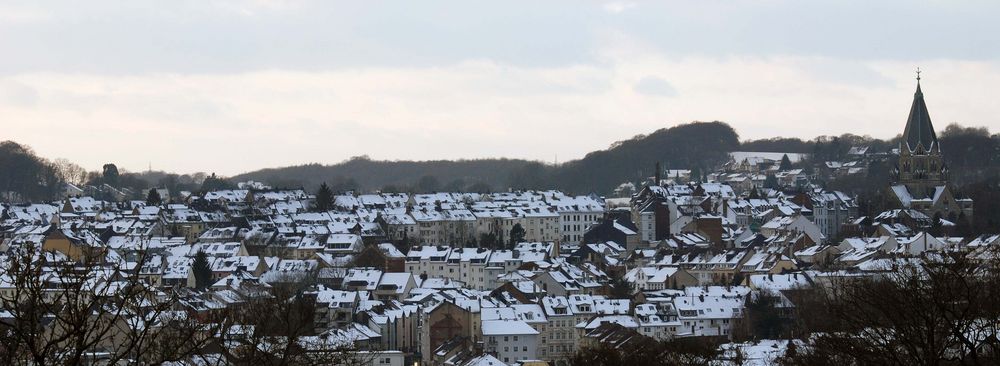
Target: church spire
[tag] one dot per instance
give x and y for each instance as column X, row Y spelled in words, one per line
column 919, row 130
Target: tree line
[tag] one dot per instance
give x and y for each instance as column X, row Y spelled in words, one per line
column 972, row 153
column 27, row 177
column 94, row 311
column 701, row 145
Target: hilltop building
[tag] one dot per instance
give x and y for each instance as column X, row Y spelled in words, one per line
column 920, row 178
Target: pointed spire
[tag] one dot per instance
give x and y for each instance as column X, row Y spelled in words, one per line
column 921, row 93
column 919, row 130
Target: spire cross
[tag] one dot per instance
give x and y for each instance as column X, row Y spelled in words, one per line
column 918, row 74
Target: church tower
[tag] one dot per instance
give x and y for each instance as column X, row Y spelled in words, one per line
column 921, row 167
column 920, row 178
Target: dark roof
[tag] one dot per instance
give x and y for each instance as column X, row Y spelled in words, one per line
column 919, row 130
column 617, row 336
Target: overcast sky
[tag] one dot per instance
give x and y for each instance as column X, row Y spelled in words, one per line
column 228, row 86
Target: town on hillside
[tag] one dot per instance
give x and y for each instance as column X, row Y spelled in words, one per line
column 749, row 262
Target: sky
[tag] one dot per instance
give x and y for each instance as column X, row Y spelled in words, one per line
column 234, row 86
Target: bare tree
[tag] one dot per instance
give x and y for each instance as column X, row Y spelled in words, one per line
column 59, row 311
column 70, row 172
column 274, row 325
column 939, row 309
column 628, row 347
column 68, row 312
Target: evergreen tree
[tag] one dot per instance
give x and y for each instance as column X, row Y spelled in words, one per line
column 483, row 240
column 808, row 169
column 762, row 318
column 621, row 289
column 516, row 235
column 110, row 174
column 404, row 244
column 695, row 174
column 962, row 227
column 201, row 270
column 786, row 164
column 153, row 197
column 324, row 198
column 488, row 240
column 771, row 182
column 936, row 226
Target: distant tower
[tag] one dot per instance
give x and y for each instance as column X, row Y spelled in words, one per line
column 921, row 166
column 921, row 177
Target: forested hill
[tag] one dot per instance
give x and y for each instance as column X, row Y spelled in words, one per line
column 972, row 154
column 698, row 145
column 366, row 174
column 701, row 144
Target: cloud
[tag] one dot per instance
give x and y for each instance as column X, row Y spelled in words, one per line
column 17, row 94
column 191, row 36
column 230, row 86
column 652, row 85
column 13, row 14
column 845, row 72
column 234, row 122
column 616, row 7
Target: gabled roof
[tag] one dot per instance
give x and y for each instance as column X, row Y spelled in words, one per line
column 507, row 327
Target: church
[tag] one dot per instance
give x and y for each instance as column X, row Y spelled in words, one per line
column 920, row 178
